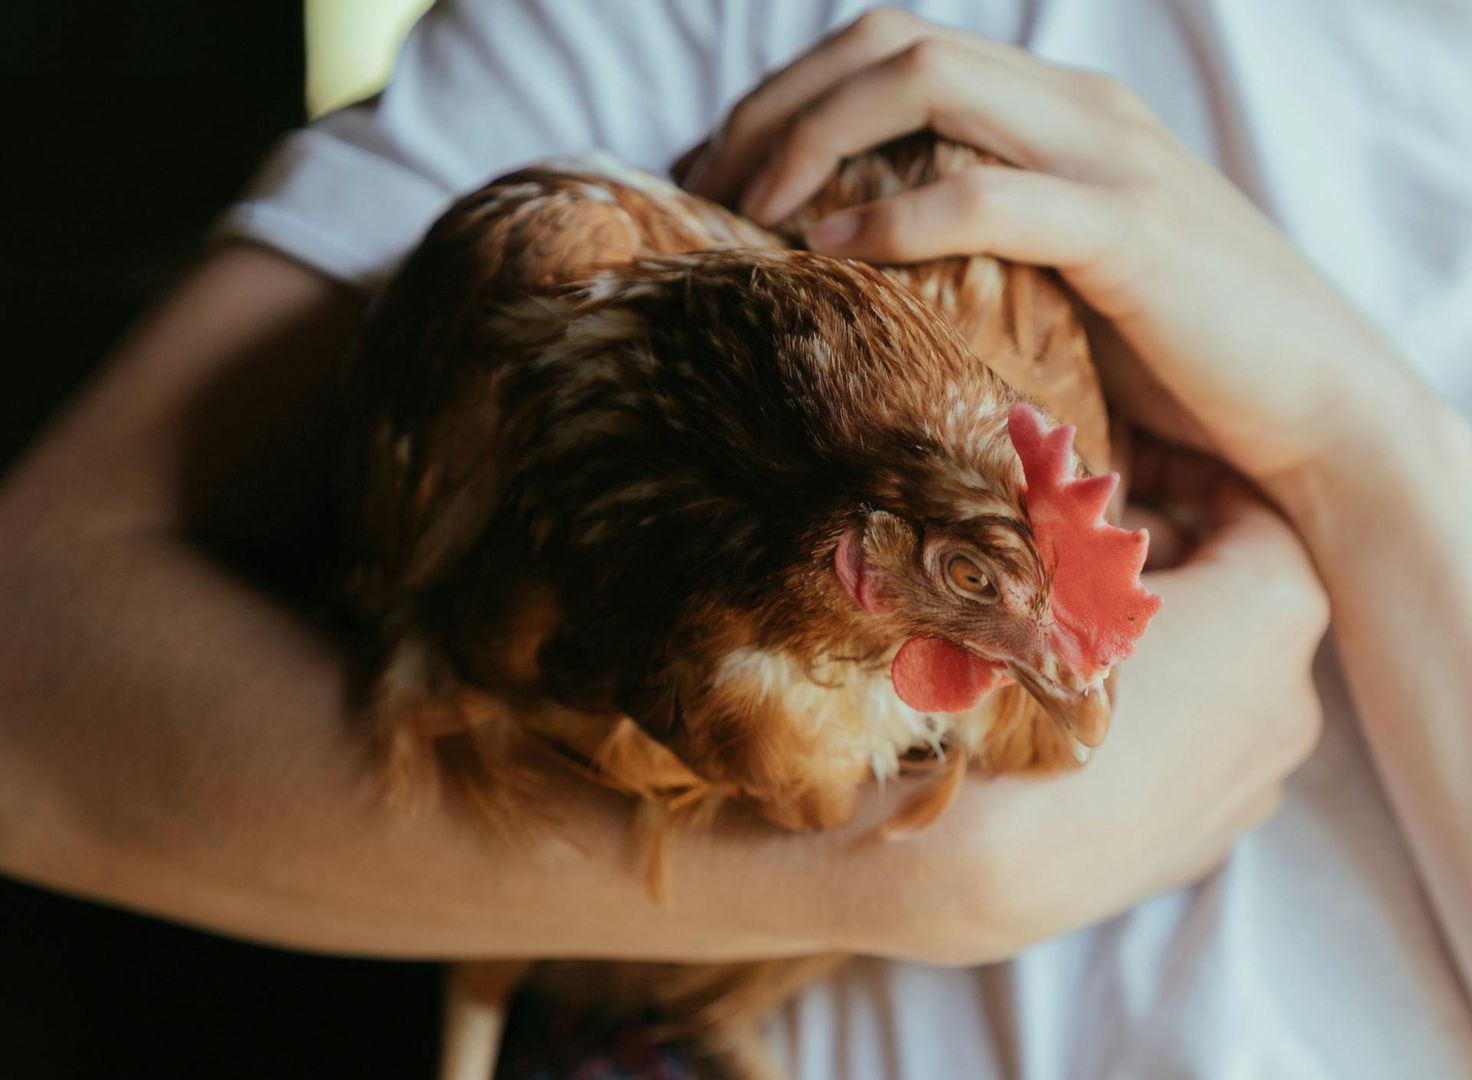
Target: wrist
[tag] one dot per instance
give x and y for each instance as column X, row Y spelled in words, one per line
column 928, row 897
column 1380, row 443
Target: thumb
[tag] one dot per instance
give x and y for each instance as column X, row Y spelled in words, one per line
column 1249, row 575
column 1248, row 550
column 1244, row 526
column 1220, row 513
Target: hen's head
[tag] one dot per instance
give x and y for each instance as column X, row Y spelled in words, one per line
column 1005, row 581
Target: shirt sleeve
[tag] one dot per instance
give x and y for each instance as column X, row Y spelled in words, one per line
column 482, row 87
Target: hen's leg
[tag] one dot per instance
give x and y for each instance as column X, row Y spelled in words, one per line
column 476, row 999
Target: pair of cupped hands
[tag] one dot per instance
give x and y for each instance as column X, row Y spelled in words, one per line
column 1246, row 371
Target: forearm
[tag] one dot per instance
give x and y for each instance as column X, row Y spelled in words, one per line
column 191, row 754
column 172, row 738
column 1389, row 527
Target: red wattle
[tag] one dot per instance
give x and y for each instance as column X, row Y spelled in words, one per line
column 935, row 675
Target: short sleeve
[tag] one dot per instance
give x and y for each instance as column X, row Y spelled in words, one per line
column 335, row 206
column 485, row 86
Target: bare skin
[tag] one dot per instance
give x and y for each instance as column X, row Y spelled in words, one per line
column 1285, row 381
column 173, row 735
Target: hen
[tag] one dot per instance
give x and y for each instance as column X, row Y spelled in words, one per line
column 718, row 519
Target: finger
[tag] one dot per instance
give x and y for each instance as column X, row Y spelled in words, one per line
column 1299, row 737
column 683, row 166
column 1173, row 488
column 1169, row 543
column 1029, row 118
column 1262, row 809
column 744, row 141
column 1243, row 534
column 1254, row 542
column 1236, row 508
column 1024, row 216
column 1252, row 568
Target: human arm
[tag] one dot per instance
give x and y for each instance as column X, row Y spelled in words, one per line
column 1215, row 333
column 174, row 737
column 1387, row 513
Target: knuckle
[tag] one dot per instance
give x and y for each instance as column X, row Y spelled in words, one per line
column 1266, row 808
column 885, row 230
column 1117, row 97
column 1305, row 728
column 925, row 57
column 1106, row 92
column 1140, row 147
column 807, row 134
column 1311, row 713
column 880, row 25
column 1314, row 604
column 1302, row 606
column 741, row 120
column 1203, row 863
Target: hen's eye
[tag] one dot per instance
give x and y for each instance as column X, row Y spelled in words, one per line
column 968, row 577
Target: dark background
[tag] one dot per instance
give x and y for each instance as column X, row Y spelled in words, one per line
column 129, row 126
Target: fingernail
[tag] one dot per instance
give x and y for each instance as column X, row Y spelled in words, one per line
column 835, row 230
column 757, row 193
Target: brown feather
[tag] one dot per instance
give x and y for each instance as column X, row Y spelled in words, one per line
column 1021, row 320
column 604, row 439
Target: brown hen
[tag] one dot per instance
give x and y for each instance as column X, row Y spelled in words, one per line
column 721, row 520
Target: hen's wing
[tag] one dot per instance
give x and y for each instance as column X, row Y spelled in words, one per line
column 564, row 220
column 424, row 467
column 1019, row 319
column 424, row 476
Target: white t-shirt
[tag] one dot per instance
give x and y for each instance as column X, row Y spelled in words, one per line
column 1314, row 952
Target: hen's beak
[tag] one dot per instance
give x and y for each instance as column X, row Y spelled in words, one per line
column 1082, row 715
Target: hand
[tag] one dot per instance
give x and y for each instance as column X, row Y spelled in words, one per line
column 1212, row 713
column 1235, row 344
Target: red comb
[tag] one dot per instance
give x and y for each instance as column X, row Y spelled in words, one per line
column 1099, row 606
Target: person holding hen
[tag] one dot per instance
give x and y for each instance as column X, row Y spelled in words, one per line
column 1225, row 343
